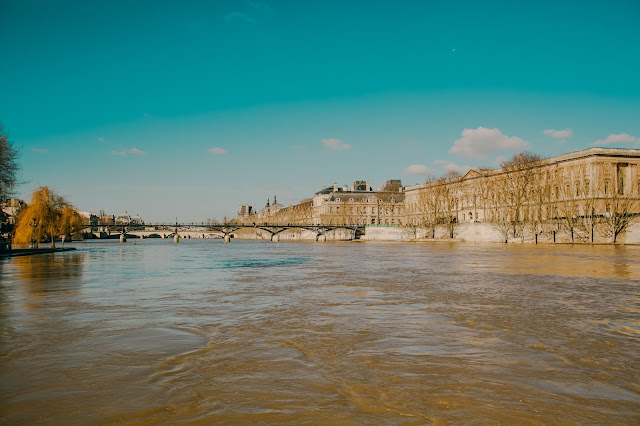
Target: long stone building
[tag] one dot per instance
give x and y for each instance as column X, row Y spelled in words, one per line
column 579, row 191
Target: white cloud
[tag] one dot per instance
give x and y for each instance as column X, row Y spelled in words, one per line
column 40, row 150
column 130, row 151
column 620, row 139
column 335, row 144
column 559, row 134
column 218, row 151
column 419, row 170
column 482, row 142
column 239, row 16
column 136, row 151
column 449, row 166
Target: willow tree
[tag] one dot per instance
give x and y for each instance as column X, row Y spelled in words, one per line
column 47, row 216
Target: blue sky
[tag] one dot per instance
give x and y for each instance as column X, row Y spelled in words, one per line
column 188, row 109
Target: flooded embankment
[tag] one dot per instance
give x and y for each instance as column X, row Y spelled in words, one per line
column 254, row 331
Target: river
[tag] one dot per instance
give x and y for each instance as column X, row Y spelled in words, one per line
column 349, row 333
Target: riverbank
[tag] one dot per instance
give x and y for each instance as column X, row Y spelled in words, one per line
column 29, row 252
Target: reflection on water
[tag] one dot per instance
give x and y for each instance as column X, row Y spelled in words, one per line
column 321, row 332
column 50, row 272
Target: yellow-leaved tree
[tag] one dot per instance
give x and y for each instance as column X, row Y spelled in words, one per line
column 46, row 217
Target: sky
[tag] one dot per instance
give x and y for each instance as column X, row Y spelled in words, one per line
column 186, row 110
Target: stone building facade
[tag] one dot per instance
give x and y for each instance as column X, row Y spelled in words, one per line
column 359, row 205
column 578, row 191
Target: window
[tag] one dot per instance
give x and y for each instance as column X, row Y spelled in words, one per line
column 606, row 186
column 586, row 188
column 577, row 189
column 621, row 171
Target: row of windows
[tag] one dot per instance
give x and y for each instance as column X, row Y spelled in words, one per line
column 366, row 200
column 371, row 221
column 365, row 210
column 579, row 190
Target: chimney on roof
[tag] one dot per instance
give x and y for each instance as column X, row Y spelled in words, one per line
column 368, row 186
column 335, row 187
column 345, row 188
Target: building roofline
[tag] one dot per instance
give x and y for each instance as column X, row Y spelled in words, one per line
column 574, row 155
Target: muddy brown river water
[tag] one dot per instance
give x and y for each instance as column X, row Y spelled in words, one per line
column 348, row 333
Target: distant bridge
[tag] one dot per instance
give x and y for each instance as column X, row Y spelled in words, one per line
column 223, row 230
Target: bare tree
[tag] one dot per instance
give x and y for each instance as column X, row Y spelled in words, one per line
column 428, row 206
column 500, row 211
column 520, row 177
column 568, row 203
column 450, row 197
column 8, row 166
column 621, row 207
column 586, row 191
column 540, row 197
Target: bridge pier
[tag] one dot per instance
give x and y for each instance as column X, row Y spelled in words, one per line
column 321, row 238
column 227, row 238
column 275, row 238
column 123, row 238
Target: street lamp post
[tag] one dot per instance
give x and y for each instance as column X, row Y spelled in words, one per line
column 34, row 225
